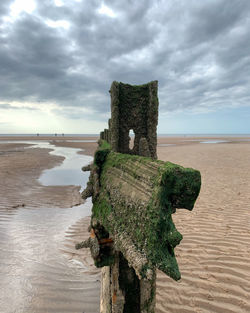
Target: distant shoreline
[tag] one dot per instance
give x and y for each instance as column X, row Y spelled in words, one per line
column 89, row 142
column 60, row 135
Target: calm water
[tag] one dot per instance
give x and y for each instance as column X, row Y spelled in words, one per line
column 166, row 144
column 35, row 274
column 69, row 172
column 209, row 141
column 215, row 141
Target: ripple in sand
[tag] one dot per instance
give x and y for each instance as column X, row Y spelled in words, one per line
column 35, row 275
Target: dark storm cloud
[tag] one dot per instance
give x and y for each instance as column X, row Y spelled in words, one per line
column 198, row 50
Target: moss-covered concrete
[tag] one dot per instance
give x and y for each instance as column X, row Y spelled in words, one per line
column 134, row 197
column 134, row 107
column 137, row 197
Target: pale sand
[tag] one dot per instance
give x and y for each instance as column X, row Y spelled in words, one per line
column 213, row 256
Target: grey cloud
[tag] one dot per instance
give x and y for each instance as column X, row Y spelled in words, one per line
column 214, row 18
column 4, row 7
column 6, row 106
column 197, row 50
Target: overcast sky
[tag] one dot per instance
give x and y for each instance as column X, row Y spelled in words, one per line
column 58, row 59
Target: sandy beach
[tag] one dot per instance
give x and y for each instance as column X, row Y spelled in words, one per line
column 214, row 255
column 21, row 167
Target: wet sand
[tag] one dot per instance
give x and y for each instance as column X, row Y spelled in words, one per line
column 20, row 169
column 213, row 256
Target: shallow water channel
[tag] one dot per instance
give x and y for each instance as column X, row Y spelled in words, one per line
column 35, row 274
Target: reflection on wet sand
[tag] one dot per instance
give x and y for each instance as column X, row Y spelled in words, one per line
column 35, row 274
column 39, row 269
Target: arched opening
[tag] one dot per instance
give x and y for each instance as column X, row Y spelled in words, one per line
column 132, row 139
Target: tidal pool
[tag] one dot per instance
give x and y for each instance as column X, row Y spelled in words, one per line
column 69, row 172
column 215, row 141
column 35, row 274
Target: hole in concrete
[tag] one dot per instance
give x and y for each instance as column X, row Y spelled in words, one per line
column 132, row 139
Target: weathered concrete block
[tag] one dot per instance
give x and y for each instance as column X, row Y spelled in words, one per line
column 136, row 199
column 136, row 108
column 134, row 196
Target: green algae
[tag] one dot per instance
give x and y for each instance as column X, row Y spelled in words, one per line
column 150, row 226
